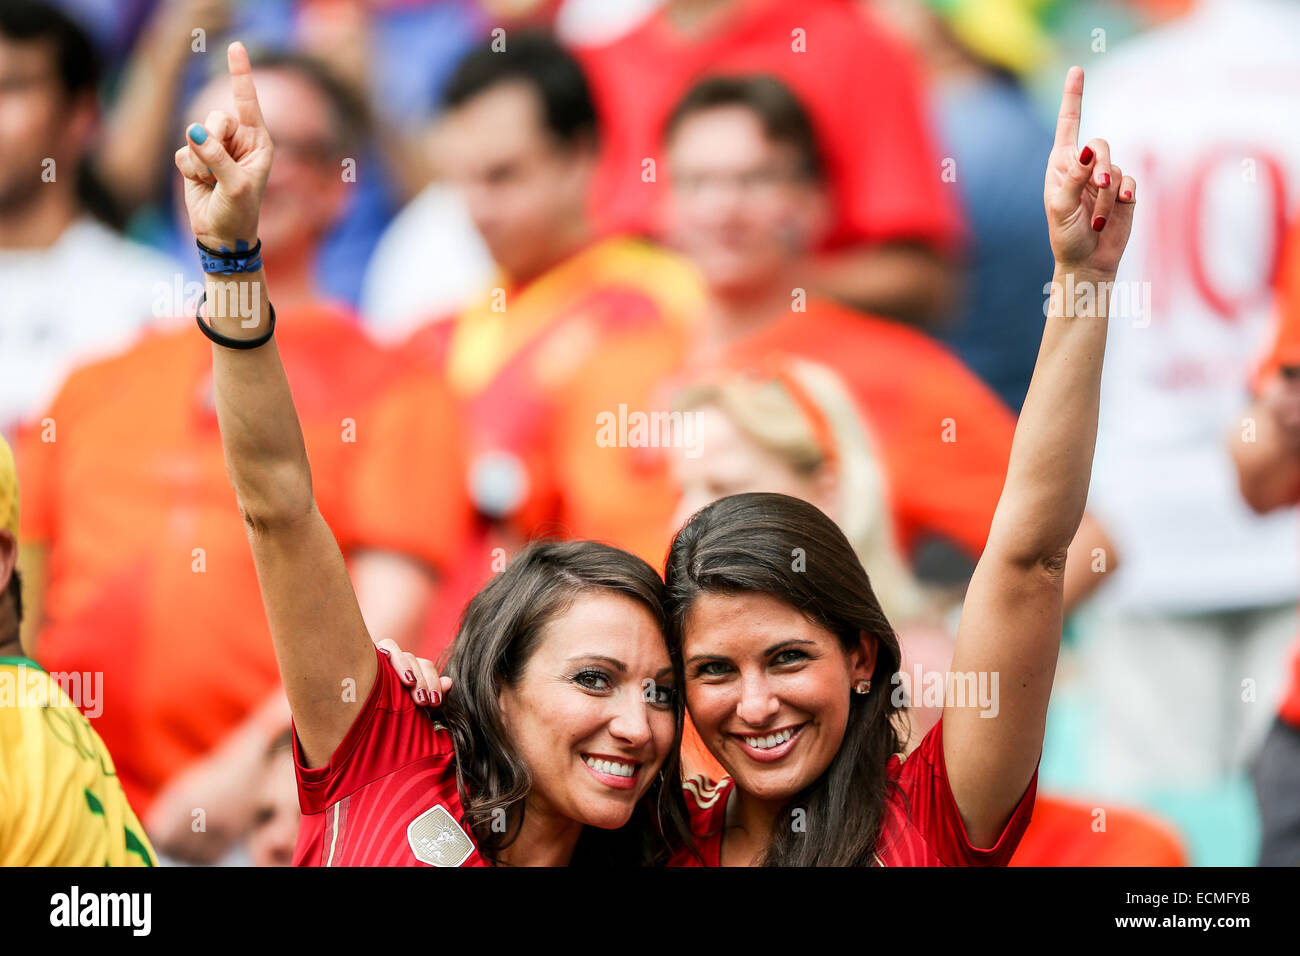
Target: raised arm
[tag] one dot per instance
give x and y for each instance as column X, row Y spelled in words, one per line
column 1010, row 629
column 320, row 639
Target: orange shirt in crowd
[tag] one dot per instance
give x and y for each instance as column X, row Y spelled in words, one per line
column 508, row 361
column 861, row 87
column 150, row 577
column 1066, row 833
column 943, row 436
column 1285, row 351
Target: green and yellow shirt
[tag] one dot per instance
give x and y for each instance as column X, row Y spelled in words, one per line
column 60, row 800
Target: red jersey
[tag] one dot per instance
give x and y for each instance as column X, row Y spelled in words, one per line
column 388, row 796
column 922, row 824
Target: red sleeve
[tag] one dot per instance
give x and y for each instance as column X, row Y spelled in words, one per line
column 924, row 781
column 390, row 732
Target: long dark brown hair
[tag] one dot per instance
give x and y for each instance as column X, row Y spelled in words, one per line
column 784, row 547
column 501, row 629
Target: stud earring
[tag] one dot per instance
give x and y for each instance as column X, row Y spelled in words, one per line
column 862, row 687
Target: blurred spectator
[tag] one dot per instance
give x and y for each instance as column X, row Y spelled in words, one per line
column 276, row 814
column 1267, row 453
column 134, row 160
column 793, row 428
column 392, row 57
column 170, row 611
column 994, row 143
column 61, row 804
column 73, row 289
column 1182, row 651
column 520, row 143
column 431, row 260
column 892, row 226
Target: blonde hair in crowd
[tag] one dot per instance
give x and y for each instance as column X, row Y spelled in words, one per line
column 764, row 410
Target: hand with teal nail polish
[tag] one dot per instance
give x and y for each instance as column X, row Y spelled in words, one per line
column 226, row 162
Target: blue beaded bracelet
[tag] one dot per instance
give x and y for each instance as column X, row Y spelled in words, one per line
column 226, row 263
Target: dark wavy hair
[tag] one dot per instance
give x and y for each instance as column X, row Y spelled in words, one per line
column 499, row 632
column 786, row 548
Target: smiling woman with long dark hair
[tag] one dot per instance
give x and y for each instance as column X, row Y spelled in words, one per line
column 776, row 604
column 567, row 726
column 791, row 667
column 541, row 658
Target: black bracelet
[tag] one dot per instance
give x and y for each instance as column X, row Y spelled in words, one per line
column 226, row 341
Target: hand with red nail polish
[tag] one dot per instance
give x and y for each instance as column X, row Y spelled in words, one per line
column 427, row 686
column 1089, row 200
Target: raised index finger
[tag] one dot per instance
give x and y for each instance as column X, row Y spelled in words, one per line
column 1067, row 122
column 241, row 84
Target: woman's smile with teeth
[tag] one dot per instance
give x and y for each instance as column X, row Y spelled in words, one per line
column 771, row 740
column 612, row 766
column 767, row 748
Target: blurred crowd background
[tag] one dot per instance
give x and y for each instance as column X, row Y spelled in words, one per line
column 579, row 267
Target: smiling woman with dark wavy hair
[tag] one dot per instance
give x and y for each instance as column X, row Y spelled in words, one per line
column 568, row 721
column 792, row 668
column 546, row 704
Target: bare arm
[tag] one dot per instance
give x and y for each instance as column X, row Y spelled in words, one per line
column 316, row 625
column 1268, row 468
column 140, row 121
column 1011, row 624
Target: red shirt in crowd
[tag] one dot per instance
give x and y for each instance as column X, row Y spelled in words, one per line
column 860, row 87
